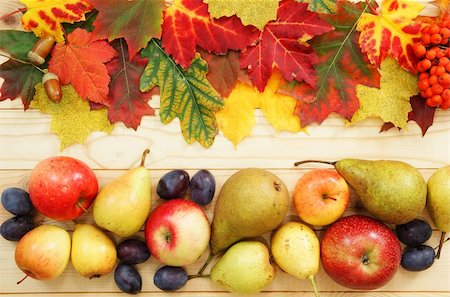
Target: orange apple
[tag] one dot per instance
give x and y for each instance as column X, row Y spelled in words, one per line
column 43, row 253
column 321, row 196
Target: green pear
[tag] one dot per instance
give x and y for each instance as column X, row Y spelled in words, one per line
column 438, row 201
column 392, row 191
column 245, row 268
column 93, row 253
column 251, row 202
column 123, row 205
column 296, row 250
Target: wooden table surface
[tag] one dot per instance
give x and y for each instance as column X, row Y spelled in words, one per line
column 25, row 140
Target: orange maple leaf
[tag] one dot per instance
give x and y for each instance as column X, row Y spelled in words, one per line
column 391, row 33
column 81, row 63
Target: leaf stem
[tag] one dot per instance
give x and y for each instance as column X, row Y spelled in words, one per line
column 23, row 62
column 372, row 9
column 6, row 16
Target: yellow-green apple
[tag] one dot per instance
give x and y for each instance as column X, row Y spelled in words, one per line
column 62, row 188
column 360, row 252
column 177, row 232
column 321, row 196
column 43, row 253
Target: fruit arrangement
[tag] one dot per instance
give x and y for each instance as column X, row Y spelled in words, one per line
column 358, row 251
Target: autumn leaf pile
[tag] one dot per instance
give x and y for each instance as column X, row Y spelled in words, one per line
column 213, row 62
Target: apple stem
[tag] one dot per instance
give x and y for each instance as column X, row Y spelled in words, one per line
column 144, row 155
column 211, row 255
column 329, row 197
column 314, row 161
column 441, row 243
column 81, row 206
column 313, row 283
column 19, row 282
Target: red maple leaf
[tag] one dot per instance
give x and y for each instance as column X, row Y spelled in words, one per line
column 137, row 21
column 187, row 23
column 340, row 69
column 421, row 113
column 279, row 45
column 224, row 71
column 81, row 63
column 128, row 103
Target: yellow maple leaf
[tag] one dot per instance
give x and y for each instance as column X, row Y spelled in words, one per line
column 72, row 120
column 44, row 17
column 391, row 101
column 236, row 119
column 251, row 12
column 391, row 33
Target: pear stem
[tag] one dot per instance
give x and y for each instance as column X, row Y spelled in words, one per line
column 441, row 243
column 19, row 282
column 314, row 161
column 198, row 275
column 313, row 283
column 144, row 155
column 210, row 257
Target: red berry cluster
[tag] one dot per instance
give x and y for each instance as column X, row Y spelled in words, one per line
column 434, row 66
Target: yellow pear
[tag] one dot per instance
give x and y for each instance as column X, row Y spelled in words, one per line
column 296, row 249
column 245, row 268
column 123, row 205
column 438, row 201
column 93, row 252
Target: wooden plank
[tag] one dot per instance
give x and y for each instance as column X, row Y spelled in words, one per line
column 26, row 139
column 262, row 294
column 70, row 281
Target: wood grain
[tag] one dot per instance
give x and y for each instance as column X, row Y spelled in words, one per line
column 25, row 139
column 21, row 132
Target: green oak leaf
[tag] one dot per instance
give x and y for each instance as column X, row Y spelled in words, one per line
column 17, row 43
column 185, row 93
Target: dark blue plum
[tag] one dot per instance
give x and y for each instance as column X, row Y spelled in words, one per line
column 15, row 228
column 173, row 184
column 417, row 258
column 413, row 233
column 170, row 278
column 202, row 187
column 17, row 202
column 127, row 278
column 133, row 251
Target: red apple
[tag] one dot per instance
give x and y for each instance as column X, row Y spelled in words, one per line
column 62, row 188
column 360, row 252
column 177, row 232
column 321, row 196
column 43, row 253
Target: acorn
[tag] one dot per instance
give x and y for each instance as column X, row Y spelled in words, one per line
column 52, row 86
column 41, row 49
